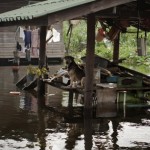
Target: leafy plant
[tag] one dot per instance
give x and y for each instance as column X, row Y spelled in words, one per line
column 77, row 41
column 36, row 70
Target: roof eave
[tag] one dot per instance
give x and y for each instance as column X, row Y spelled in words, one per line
column 67, row 14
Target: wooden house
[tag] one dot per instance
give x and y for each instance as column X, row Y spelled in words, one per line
column 9, row 37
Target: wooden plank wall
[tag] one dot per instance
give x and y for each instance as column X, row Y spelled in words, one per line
column 7, row 41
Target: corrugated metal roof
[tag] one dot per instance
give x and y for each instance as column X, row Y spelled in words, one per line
column 40, row 9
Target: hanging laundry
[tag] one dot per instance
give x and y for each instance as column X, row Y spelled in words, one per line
column 18, row 36
column 100, row 35
column 35, row 44
column 28, row 58
column 52, row 36
column 49, row 36
column 18, row 46
column 27, row 38
column 21, row 33
column 27, row 41
column 56, row 36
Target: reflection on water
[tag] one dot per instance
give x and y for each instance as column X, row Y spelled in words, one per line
column 55, row 123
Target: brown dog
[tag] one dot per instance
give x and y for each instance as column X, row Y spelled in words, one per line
column 76, row 73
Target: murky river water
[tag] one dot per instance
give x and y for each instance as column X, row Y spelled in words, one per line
column 25, row 124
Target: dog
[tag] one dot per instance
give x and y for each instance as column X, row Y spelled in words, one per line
column 76, row 72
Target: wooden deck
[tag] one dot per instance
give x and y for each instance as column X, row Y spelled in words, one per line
column 64, row 87
column 107, row 85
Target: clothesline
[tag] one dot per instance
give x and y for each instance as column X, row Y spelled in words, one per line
column 31, row 38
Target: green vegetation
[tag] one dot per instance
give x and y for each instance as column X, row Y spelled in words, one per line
column 128, row 45
column 77, row 40
column 32, row 70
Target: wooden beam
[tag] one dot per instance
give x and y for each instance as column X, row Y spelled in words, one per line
column 83, row 10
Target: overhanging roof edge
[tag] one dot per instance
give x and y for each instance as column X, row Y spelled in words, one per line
column 40, row 9
column 74, row 3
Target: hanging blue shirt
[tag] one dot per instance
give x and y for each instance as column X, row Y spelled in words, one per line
column 27, row 38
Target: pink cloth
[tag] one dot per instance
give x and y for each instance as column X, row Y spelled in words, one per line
column 35, row 41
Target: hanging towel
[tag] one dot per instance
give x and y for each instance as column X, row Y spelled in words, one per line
column 21, row 34
column 56, row 36
column 48, row 36
column 35, row 38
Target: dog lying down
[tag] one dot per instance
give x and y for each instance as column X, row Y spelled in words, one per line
column 76, row 73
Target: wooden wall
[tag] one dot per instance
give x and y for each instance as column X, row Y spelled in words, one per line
column 7, row 41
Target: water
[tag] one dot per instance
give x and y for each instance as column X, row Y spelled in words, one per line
column 25, row 124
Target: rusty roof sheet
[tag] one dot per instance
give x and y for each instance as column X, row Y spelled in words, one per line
column 40, row 9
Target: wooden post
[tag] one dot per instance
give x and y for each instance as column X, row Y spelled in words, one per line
column 88, row 98
column 42, row 58
column 70, row 98
column 89, row 61
column 116, row 49
column 88, row 133
column 41, row 135
column 42, row 53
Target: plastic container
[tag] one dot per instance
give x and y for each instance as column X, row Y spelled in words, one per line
column 112, row 79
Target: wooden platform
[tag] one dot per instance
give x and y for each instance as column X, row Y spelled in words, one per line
column 112, row 85
column 62, row 86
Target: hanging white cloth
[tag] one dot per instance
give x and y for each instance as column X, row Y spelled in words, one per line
column 49, row 35
column 54, row 34
column 21, row 34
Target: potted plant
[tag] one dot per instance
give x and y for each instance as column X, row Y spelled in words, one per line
column 36, row 71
